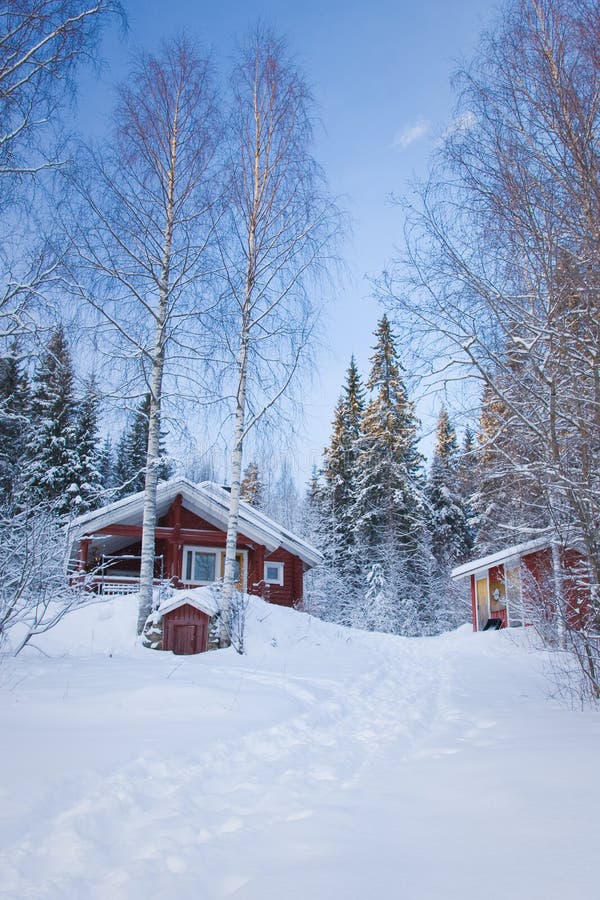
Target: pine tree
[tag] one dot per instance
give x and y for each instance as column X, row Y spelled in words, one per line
column 379, row 611
column 131, row 453
column 125, row 478
column 51, row 458
column 327, row 591
column 137, row 447
column 87, row 474
column 466, row 465
column 389, row 505
column 467, row 478
column 451, row 537
column 340, row 471
column 389, row 484
column 252, row 489
column 14, row 419
column 107, row 467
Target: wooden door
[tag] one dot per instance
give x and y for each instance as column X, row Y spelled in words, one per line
column 481, row 591
column 184, row 639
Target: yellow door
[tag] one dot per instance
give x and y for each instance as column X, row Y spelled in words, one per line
column 239, row 570
column 481, row 592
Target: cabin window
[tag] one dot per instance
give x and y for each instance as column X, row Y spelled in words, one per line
column 274, row 573
column 204, row 565
column 200, row 565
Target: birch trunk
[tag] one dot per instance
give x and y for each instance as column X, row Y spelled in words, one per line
column 154, row 423
column 228, row 587
column 557, row 583
column 143, row 242
column 280, row 225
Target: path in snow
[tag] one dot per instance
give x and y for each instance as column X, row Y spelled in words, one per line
column 349, row 767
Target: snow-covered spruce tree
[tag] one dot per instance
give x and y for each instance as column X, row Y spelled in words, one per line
column 329, row 510
column 14, row 419
column 51, row 465
column 87, row 474
column 126, row 477
column 467, row 477
column 450, row 533
column 326, row 592
column 389, row 504
column 107, row 462
column 340, row 461
column 252, row 490
column 131, row 453
column 379, row 611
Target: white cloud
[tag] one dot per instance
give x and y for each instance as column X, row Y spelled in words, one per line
column 411, row 133
column 464, row 122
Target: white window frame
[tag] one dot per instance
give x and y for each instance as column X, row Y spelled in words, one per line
column 219, row 554
column 281, row 575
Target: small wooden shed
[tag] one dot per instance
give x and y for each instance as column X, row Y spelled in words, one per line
column 186, row 619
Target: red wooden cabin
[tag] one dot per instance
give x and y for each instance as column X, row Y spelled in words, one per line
column 517, row 586
column 190, row 544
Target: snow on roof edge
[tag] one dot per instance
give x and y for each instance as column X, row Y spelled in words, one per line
column 266, row 530
column 201, row 599
column 484, row 562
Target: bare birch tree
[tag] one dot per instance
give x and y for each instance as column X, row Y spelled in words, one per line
column 504, row 256
column 142, row 250
column 42, row 42
column 280, row 224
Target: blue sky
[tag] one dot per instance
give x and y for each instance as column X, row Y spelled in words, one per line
column 381, row 78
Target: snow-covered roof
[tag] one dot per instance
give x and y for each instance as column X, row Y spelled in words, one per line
column 208, row 500
column 201, row 598
column 494, row 559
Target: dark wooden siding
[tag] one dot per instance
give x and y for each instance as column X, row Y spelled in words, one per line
column 290, row 592
column 179, row 528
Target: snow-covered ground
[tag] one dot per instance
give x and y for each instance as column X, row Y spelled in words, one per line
column 325, row 764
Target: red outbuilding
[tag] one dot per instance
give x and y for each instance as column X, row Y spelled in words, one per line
column 185, row 620
column 518, row 585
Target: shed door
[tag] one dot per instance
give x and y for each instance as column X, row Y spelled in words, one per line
column 184, row 639
column 481, row 587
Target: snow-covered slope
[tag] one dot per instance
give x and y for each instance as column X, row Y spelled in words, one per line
column 325, row 763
